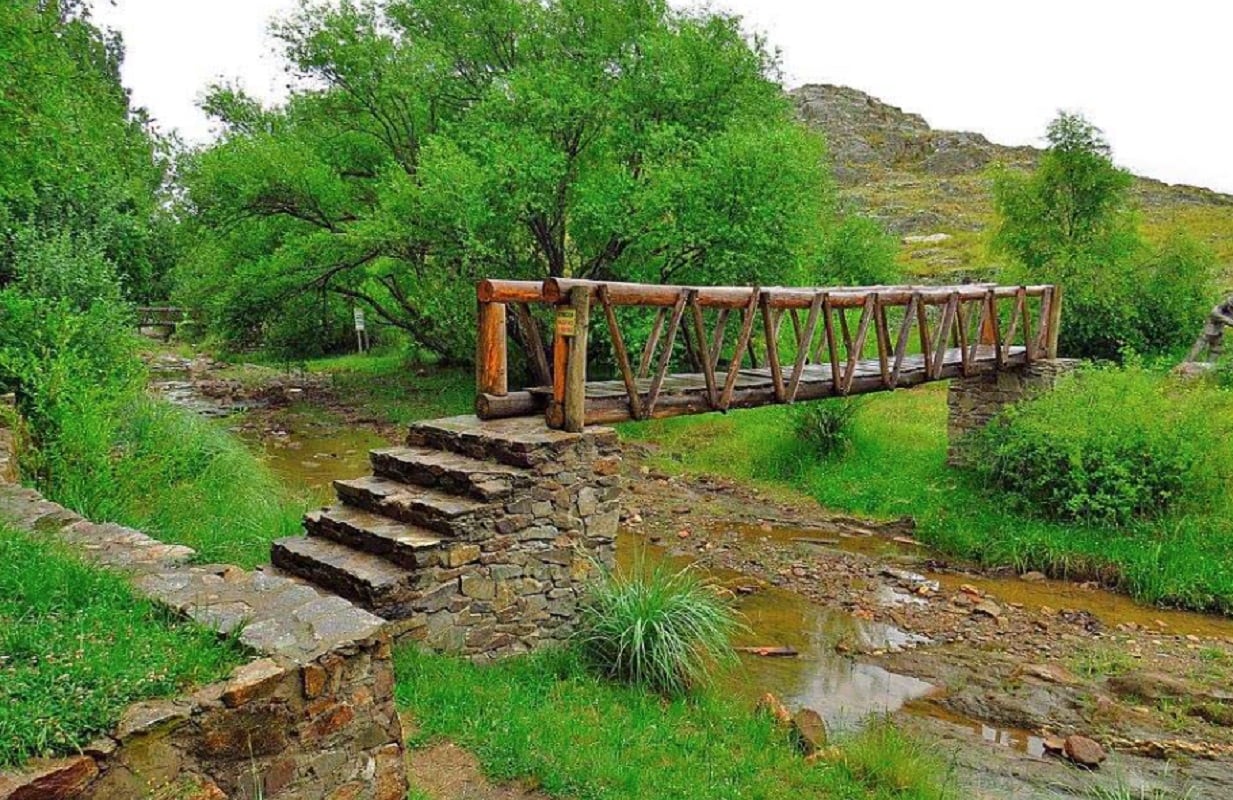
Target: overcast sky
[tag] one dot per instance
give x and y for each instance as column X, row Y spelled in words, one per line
column 1154, row 75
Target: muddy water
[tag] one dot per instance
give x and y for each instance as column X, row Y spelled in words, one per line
column 843, row 690
column 1110, row 608
column 309, row 453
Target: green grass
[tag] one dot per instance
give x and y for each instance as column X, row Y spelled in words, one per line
column 896, row 467
column 77, row 646
column 186, row 480
column 658, row 628
column 547, row 720
column 397, row 389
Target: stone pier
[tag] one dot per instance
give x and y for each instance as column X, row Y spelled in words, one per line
column 475, row 538
column 975, row 400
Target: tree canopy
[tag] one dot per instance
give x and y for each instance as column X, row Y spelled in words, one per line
column 80, row 172
column 434, row 142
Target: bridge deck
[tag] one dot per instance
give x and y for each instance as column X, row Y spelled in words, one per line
column 686, row 393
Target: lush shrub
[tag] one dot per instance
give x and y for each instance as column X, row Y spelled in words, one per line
column 660, row 629
column 858, row 252
column 827, row 425
column 102, row 447
column 1175, row 293
column 1106, row 446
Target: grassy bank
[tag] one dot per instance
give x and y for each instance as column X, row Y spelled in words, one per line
column 77, row 646
column 544, row 720
column 182, row 479
column 896, row 467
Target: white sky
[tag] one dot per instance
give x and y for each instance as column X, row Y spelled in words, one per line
column 1155, row 76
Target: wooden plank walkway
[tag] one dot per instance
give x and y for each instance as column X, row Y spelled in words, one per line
column 686, row 393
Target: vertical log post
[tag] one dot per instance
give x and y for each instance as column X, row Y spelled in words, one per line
column 1055, row 321
column 576, row 368
column 491, row 359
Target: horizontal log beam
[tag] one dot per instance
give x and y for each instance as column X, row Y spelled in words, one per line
column 514, row 404
column 499, row 291
column 556, row 290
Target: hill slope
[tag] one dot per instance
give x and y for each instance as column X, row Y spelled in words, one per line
column 920, row 182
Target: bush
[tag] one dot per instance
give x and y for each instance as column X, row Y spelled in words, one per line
column 1106, row 446
column 658, row 629
column 827, row 425
column 858, row 252
column 102, row 447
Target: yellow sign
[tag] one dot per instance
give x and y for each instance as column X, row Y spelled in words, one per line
column 567, row 319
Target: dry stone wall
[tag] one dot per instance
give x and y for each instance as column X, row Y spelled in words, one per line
column 311, row 717
column 972, row 402
column 475, row 538
column 515, row 583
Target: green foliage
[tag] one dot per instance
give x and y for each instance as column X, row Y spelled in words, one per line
column 858, row 252
column 827, row 425
column 77, row 158
column 659, row 629
column 547, row 719
column 617, row 139
column 77, row 646
column 1070, row 222
column 1107, row 446
column 881, row 756
column 103, row 448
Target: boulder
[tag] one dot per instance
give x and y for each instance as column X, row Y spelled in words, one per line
column 1084, row 752
column 808, row 731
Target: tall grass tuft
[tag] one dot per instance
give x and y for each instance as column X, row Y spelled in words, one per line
column 660, row 629
column 827, row 426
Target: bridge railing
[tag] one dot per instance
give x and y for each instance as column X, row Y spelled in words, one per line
column 148, row 316
column 842, row 340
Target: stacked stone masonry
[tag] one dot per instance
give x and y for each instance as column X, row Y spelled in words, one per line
column 311, row 717
column 973, row 401
column 475, row 538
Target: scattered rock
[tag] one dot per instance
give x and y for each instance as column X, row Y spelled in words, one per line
column 1049, row 673
column 1084, row 751
column 60, row 779
column 808, row 731
column 252, row 680
column 770, row 705
column 987, row 608
column 933, row 238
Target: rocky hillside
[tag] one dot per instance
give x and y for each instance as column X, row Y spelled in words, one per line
column 931, row 187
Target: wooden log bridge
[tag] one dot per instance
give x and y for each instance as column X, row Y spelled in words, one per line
column 716, row 348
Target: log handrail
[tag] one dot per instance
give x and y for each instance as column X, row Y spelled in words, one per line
column 955, row 329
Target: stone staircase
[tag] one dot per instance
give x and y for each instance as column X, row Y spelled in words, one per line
column 475, row 536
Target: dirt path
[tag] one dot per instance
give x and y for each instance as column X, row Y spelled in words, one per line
column 447, row 772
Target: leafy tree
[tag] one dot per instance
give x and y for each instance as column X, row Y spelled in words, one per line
column 1071, row 222
column 79, row 165
column 434, row 142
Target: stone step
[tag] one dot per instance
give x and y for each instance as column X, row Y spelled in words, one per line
column 449, row 471
column 407, row 546
column 417, row 505
column 518, row 442
column 378, row 585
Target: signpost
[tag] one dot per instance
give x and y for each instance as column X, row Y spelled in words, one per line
column 361, row 332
